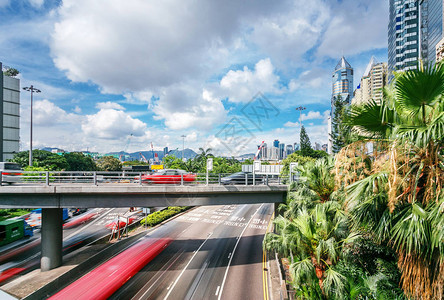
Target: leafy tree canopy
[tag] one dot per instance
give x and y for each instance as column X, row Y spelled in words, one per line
column 77, row 161
column 11, row 72
column 44, row 159
column 109, row 163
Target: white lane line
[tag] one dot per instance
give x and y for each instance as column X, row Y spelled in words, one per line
column 217, row 291
column 234, row 250
column 170, row 289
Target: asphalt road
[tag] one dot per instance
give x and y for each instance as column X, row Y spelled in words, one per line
column 25, row 257
column 216, row 254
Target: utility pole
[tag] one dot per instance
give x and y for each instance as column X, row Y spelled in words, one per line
column 31, row 89
column 183, row 144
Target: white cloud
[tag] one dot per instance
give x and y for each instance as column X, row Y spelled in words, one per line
column 356, row 26
column 46, row 113
column 311, row 115
column 77, row 109
column 288, row 35
column 147, row 44
column 292, row 124
column 181, row 107
column 36, row 3
column 112, row 124
column 109, row 105
column 192, row 137
column 242, row 85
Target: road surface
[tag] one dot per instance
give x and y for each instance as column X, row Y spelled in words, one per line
column 216, row 254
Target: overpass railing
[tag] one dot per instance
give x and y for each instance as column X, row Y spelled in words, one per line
column 100, row 178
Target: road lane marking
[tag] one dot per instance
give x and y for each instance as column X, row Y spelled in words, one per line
column 217, row 291
column 264, row 274
column 181, row 273
column 234, row 250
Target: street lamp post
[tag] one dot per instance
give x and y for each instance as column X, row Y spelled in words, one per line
column 300, row 109
column 183, row 144
column 31, row 89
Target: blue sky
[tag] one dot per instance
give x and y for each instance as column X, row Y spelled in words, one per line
column 227, row 74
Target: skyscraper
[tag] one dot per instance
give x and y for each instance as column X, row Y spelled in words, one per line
column 281, row 150
column 403, row 35
column 276, row 143
column 342, row 86
column 9, row 116
column 432, row 27
column 372, row 83
column 342, row 82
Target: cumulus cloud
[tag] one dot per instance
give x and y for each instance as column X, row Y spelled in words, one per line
column 109, row 105
column 181, row 107
column 356, row 26
column 112, row 124
column 288, row 35
column 46, row 113
column 242, row 85
column 145, row 44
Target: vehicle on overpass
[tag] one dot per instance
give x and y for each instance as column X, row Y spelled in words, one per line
column 168, row 176
column 11, row 172
column 240, row 178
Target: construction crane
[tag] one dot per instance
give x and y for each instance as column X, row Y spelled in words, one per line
column 144, row 158
column 259, row 150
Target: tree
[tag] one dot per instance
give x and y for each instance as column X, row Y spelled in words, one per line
column 306, row 149
column 338, row 130
column 11, row 72
column 77, row 161
column 109, row 163
column 403, row 198
column 43, row 159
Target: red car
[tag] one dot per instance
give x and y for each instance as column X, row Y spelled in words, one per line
column 168, row 176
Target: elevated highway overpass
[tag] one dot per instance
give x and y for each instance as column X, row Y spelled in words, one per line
column 55, row 196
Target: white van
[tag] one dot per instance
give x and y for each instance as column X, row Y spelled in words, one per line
column 11, row 172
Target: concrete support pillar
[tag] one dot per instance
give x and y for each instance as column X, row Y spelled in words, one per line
column 52, row 238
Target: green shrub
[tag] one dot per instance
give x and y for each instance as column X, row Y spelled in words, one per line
column 159, row 216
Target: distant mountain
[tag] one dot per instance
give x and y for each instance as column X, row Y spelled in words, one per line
column 188, row 153
column 248, row 155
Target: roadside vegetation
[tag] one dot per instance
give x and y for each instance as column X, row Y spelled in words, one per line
column 161, row 215
column 369, row 223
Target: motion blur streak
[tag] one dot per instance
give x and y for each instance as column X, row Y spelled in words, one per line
column 103, row 281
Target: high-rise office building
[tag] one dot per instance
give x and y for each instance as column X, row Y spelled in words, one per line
column 9, row 116
column 165, row 151
column 264, row 152
column 403, row 35
column 342, row 86
column 281, row 150
column 372, row 83
column 296, row 147
column 432, row 28
column 289, row 149
column 276, row 143
column 342, row 82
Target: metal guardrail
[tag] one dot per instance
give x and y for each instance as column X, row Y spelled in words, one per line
column 48, row 178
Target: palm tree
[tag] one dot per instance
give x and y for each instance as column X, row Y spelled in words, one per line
column 314, row 241
column 403, row 198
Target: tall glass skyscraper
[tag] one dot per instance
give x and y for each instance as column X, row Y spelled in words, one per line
column 342, row 82
column 432, row 33
column 342, row 85
column 403, row 35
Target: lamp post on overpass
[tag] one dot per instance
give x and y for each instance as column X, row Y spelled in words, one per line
column 300, row 109
column 183, row 144
column 31, row 89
